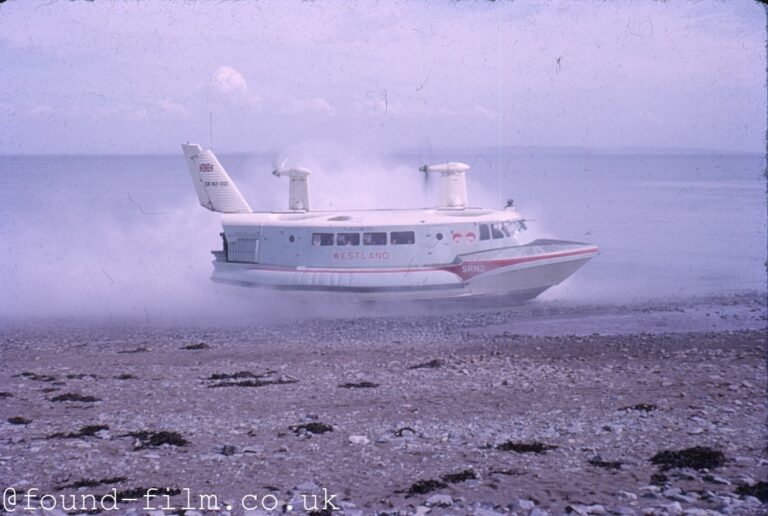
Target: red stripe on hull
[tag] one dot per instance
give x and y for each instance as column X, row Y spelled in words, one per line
column 465, row 270
column 470, row 269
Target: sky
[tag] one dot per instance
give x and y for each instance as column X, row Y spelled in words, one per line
column 144, row 76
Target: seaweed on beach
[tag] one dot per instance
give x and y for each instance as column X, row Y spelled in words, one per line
column 425, row 486
column 4, row 395
column 237, row 376
column 759, row 491
column 659, row 479
column 532, row 447
column 91, row 483
column 643, row 407
column 605, row 464
column 507, row 472
column 125, row 376
column 140, row 349
column 195, row 347
column 148, row 439
column 255, row 383
column 18, row 420
column 359, row 385
column 80, row 376
column 86, row 431
column 248, row 379
column 72, row 396
column 312, row 428
column 432, row 364
column 133, row 494
column 36, row 377
column 461, row 476
column 698, row 457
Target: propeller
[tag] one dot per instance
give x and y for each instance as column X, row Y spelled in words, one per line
column 426, row 181
column 426, row 154
column 279, row 164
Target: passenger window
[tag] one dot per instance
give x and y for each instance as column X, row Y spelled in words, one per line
column 402, row 237
column 485, row 234
column 374, row 239
column 348, row 239
column 319, row 239
column 496, row 231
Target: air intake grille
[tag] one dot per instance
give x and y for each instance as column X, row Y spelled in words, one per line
column 245, row 250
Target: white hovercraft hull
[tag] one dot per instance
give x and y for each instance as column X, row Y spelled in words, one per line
column 520, row 272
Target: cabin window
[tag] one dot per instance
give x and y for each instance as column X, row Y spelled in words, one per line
column 323, row 239
column 375, row 238
column 512, row 227
column 291, row 239
column 439, row 236
column 402, row 237
column 348, row 239
column 485, row 233
column 496, row 231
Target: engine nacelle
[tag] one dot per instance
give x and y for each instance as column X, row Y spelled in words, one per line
column 453, row 183
column 298, row 188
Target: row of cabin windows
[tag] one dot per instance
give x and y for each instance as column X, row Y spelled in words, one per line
column 500, row 229
column 378, row 238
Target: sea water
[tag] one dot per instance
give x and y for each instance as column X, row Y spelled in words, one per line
column 124, row 236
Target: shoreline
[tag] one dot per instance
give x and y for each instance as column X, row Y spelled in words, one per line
column 465, row 415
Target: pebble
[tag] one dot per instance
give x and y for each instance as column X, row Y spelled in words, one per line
column 583, row 510
column 626, row 495
column 684, row 498
column 686, row 474
column 358, row 439
column 439, row 500
column 673, row 509
column 526, row 505
column 745, row 481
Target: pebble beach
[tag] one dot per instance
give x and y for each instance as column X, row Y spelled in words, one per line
column 542, row 408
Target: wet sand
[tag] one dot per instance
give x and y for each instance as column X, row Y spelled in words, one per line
column 541, row 408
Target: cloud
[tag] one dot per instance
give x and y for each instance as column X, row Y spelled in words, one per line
column 231, row 86
column 227, row 80
column 548, row 74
